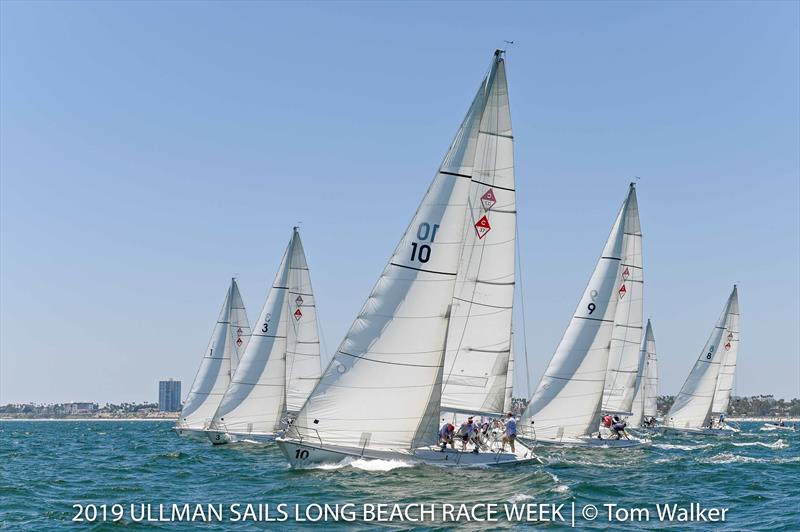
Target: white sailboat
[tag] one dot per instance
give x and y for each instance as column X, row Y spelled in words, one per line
column 645, row 407
column 566, row 406
column 692, row 411
column 381, row 395
column 281, row 364
column 228, row 341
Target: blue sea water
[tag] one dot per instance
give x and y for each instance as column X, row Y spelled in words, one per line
column 47, row 466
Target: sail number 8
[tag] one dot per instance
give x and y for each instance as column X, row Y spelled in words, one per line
column 422, row 252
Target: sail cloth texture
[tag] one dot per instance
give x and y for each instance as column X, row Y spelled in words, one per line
column 730, row 346
column 626, row 336
column 479, row 334
column 566, row 403
column 255, row 400
column 382, row 389
column 229, row 339
column 644, row 402
column 692, row 406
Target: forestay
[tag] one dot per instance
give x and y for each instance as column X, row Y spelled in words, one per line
column 382, row 389
column 479, row 334
column 645, row 400
column 692, row 406
column 566, row 404
column 626, row 336
column 727, row 373
column 229, row 339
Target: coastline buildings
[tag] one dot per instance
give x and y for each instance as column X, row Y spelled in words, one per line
column 169, row 396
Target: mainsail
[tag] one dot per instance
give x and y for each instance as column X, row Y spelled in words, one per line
column 722, row 394
column 566, row 404
column 692, row 406
column 382, row 389
column 507, row 401
column 264, row 385
column 229, row 339
column 645, row 400
column 626, row 336
column 479, row 334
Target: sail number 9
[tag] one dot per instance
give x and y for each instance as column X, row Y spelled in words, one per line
column 422, row 252
column 592, row 307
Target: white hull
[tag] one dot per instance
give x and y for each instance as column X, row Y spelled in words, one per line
column 305, row 454
column 769, row 426
column 218, row 437
column 585, row 442
column 727, row 431
column 193, row 434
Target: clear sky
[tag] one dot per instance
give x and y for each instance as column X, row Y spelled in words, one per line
column 149, row 151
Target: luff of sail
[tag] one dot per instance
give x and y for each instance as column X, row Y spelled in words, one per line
column 479, row 333
column 730, row 345
column 382, row 389
column 229, row 339
column 566, row 403
column 509, row 392
column 254, row 403
column 303, row 366
column 692, row 406
column 626, row 336
column 644, row 402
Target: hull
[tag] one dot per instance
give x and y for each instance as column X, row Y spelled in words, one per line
column 585, row 443
column 218, row 437
column 193, row 434
column 301, row 454
column 728, row 431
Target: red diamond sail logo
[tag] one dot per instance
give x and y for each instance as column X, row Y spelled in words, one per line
column 239, row 330
column 298, row 314
column 626, row 273
column 488, row 200
column 622, row 291
column 482, row 226
column 239, row 341
column 299, row 300
column 728, row 346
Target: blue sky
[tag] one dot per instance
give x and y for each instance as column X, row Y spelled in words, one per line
column 149, row 151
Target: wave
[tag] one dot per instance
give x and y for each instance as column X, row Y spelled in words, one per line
column 520, row 497
column 364, row 465
column 670, row 446
column 780, row 444
column 730, row 458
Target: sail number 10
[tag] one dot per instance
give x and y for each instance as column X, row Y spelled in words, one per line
column 425, row 233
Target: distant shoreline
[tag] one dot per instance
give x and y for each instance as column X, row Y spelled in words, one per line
column 76, row 418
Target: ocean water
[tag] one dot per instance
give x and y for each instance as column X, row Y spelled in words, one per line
column 47, row 466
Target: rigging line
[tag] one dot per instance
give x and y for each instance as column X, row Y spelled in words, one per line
column 522, row 308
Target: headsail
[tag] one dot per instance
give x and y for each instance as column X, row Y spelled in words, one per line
column 229, row 339
column 722, row 394
column 382, row 390
column 626, row 337
column 479, row 334
column 507, row 401
column 692, row 406
column 566, row 404
column 645, row 400
column 255, row 400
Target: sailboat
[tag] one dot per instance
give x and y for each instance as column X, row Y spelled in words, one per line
column 281, row 364
column 566, row 406
column 381, row 395
column 645, row 407
column 228, row 341
column 707, row 385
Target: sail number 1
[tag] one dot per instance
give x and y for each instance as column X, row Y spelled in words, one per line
column 422, row 252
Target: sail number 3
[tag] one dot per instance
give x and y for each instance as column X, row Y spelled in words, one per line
column 419, row 251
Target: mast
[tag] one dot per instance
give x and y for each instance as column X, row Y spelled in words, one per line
column 692, row 406
column 566, row 404
column 479, row 335
column 382, row 389
column 646, row 382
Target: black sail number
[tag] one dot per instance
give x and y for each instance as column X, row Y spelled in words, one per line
column 591, row 306
column 421, row 252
